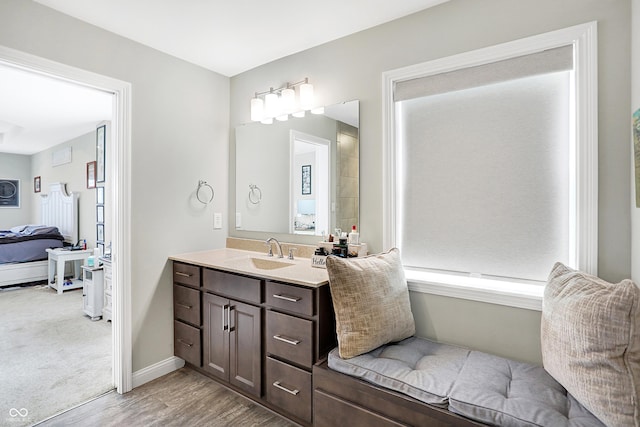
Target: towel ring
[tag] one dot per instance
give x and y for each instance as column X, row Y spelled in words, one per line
column 255, row 194
column 202, row 184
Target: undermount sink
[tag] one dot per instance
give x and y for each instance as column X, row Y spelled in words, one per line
column 259, row 263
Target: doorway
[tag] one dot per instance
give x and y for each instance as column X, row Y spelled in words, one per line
column 310, row 178
column 120, row 170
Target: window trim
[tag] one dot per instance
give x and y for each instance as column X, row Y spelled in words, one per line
column 584, row 39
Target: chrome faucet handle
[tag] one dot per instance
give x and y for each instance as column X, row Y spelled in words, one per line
column 291, row 250
column 268, row 244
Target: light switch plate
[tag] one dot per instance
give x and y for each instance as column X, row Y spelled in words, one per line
column 217, row 220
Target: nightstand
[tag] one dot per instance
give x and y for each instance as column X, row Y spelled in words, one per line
column 57, row 260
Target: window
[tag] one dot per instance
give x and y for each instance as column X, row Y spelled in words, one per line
column 491, row 167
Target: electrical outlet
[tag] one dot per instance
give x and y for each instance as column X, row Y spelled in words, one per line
column 217, row 221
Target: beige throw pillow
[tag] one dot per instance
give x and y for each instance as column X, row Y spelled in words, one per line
column 591, row 343
column 371, row 302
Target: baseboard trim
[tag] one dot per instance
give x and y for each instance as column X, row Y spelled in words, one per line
column 156, row 370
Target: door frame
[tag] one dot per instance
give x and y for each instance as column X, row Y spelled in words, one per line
column 120, row 146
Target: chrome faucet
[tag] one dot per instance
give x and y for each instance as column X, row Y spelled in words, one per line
column 268, row 242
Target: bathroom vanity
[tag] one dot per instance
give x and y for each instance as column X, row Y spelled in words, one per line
column 257, row 324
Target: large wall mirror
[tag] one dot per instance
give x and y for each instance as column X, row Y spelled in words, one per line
column 300, row 176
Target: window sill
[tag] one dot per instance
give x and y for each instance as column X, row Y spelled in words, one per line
column 512, row 294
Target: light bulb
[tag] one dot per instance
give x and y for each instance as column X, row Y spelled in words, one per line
column 257, row 109
column 288, row 100
column 306, row 96
column 271, row 105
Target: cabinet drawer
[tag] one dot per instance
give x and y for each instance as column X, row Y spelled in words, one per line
column 289, row 388
column 186, row 342
column 186, row 274
column 331, row 411
column 186, row 304
column 290, row 298
column 232, row 286
column 290, row 338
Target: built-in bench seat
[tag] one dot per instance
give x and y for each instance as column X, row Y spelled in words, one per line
column 483, row 388
column 381, row 374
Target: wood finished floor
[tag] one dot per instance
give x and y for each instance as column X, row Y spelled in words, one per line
column 182, row 398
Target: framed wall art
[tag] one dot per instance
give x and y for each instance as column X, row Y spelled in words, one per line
column 306, row 179
column 100, row 233
column 9, row 193
column 101, row 140
column 91, row 174
column 100, row 195
column 37, row 184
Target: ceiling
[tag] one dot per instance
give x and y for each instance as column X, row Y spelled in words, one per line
column 37, row 112
column 228, row 37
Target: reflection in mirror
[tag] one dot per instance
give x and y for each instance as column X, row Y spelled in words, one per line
column 300, row 176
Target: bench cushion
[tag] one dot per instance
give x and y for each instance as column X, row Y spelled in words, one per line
column 483, row 387
column 503, row 392
column 422, row 369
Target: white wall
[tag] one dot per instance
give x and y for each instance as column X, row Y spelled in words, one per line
column 17, row 166
column 180, row 122
column 635, row 104
column 351, row 68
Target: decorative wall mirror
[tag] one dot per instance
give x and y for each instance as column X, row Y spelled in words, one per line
column 300, row 176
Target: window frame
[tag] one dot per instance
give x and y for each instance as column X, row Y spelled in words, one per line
column 516, row 294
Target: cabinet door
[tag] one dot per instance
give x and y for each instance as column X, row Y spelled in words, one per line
column 216, row 335
column 246, row 347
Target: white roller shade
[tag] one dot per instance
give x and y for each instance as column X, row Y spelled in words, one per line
column 485, row 182
column 547, row 61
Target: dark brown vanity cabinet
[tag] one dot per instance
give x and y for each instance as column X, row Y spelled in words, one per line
column 299, row 331
column 187, row 320
column 261, row 337
column 232, row 342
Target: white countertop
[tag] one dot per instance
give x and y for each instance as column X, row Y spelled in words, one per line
column 257, row 264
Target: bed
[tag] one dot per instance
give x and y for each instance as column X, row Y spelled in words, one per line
column 23, row 258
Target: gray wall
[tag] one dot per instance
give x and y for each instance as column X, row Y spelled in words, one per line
column 17, row 166
column 83, row 150
column 180, row 134
column 351, row 68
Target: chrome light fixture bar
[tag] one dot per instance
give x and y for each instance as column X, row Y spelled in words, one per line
column 281, row 102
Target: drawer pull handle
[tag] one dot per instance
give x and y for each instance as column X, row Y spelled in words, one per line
column 287, row 298
column 287, row 340
column 181, row 304
column 188, row 344
column 277, row 385
column 180, row 273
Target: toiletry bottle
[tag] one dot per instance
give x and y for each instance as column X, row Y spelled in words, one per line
column 354, row 236
column 84, row 244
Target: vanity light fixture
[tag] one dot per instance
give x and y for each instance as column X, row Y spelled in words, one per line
column 281, row 102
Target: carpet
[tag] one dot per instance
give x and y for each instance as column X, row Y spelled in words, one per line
column 52, row 356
